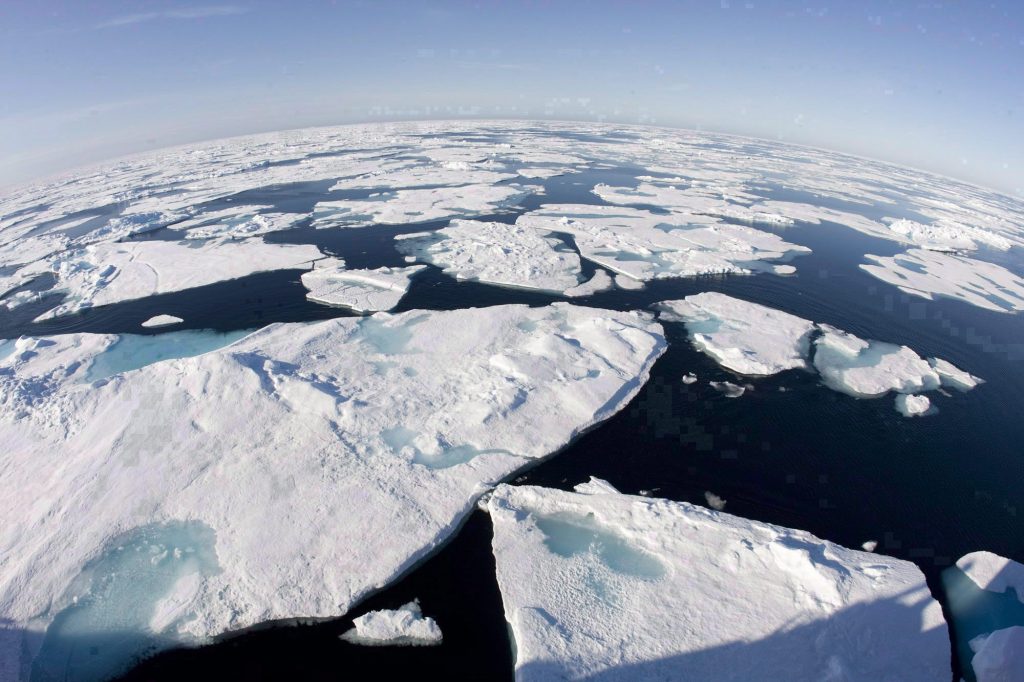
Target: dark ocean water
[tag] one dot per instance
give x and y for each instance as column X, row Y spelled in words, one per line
column 789, row 452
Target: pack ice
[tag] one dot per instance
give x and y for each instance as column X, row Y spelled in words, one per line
column 405, row 625
column 283, row 476
column 600, row 585
column 363, row 291
column 752, row 339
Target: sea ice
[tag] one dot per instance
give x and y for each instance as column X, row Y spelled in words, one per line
column 745, row 337
column 404, row 626
column 596, row 284
column 402, row 206
column 610, row 586
column 992, row 572
column 929, row 274
column 498, row 253
column 361, row 290
column 999, row 656
column 394, row 424
column 162, row 321
column 913, row 405
column 728, row 389
column 868, row 369
column 111, row 272
column 947, row 235
column 689, row 378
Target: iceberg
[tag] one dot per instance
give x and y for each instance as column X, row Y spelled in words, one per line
column 600, row 585
column 404, row 626
column 928, row 274
column 361, row 290
column 497, row 253
column 745, row 337
column 395, row 424
column 161, row 321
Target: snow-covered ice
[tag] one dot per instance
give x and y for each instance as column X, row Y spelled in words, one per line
column 329, row 282
column 610, row 586
column 910, row 405
column 498, row 253
column 745, row 337
column 999, row 656
column 595, row 285
column 867, row 368
column 953, row 376
column 947, row 235
column 263, row 445
column 162, row 321
column 398, row 207
column 404, row 626
column 992, row 572
column 928, row 274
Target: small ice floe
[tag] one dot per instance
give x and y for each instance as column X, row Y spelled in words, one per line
column 999, row 656
column 404, row 626
column 910, row 405
column 363, row 291
column 727, row 388
column 870, row 545
column 162, row 321
column 596, row 284
column 992, row 572
column 714, row 501
column 689, row 378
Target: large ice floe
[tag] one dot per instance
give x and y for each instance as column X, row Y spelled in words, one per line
column 112, row 272
column 404, row 626
column 330, row 283
column 498, row 253
column 755, row 340
column 929, row 274
column 644, row 246
column 286, row 475
column 600, row 585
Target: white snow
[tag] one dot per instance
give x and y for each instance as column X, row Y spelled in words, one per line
column 404, row 626
column 361, row 290
column 992, row 572
column 745, row 337
column 617, row 587
column 913, row 405
column 498, row 253
column 313, row 462
column 112, row 272
column 999, row 656
column 929, row 274
column 162, row 321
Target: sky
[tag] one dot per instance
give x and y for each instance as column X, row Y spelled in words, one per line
column 933, row 85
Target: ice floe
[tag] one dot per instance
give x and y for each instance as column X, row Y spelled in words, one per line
column 728, row 389
column 404, row 626
column 498, row 253
column 744, row 337
column 112, row 272
column 928, row 274
column 162, row 321
column 397, row 207
column 992, row 572
column 595, row 285
column 755, row 340
column 361, row 290
column 610, row 586
column 643, row 245
column 945, row 235
column 999, row 656
column 251, row 454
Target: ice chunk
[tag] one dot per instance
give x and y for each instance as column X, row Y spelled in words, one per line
column 113, row 272
column 869, row 546
column 270, row 441
column 929, row 274
column 714, row 501
column 745, row 337
column 992, row 572
column 728, row 389
column 999, row 657
column 498, row 253
column 162, row 321
column 867, row 369
column 645, row 246
column 689, row 378
column 596, row 284
column 596, row 486
column 404, row 626
column 361, row 290
column 913, row 405
column 953, row 376
column 621, row 587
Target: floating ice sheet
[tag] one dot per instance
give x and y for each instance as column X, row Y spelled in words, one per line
column 867, row 368
column 162, row 321
column 394, row 423
column 361, row 290
column 404, row 626
column 610, row 586
column 398, row 207
column 992, row 572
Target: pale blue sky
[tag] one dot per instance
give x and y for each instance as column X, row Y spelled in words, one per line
column 936, row 85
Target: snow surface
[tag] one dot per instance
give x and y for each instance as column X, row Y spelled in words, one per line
column 929, row 274
column 162, row 321
column 913, row 405
column 610, row 586
column 361, row 290
column 112, row 272
column 404, row 626
column 745, row 337
column 372, row 420
column 992, row 572
column 999, row 656
column 498, row 253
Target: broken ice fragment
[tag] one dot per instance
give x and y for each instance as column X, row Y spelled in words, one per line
column 404, row 626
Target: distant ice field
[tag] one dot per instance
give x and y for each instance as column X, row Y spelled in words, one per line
column 781, row 226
